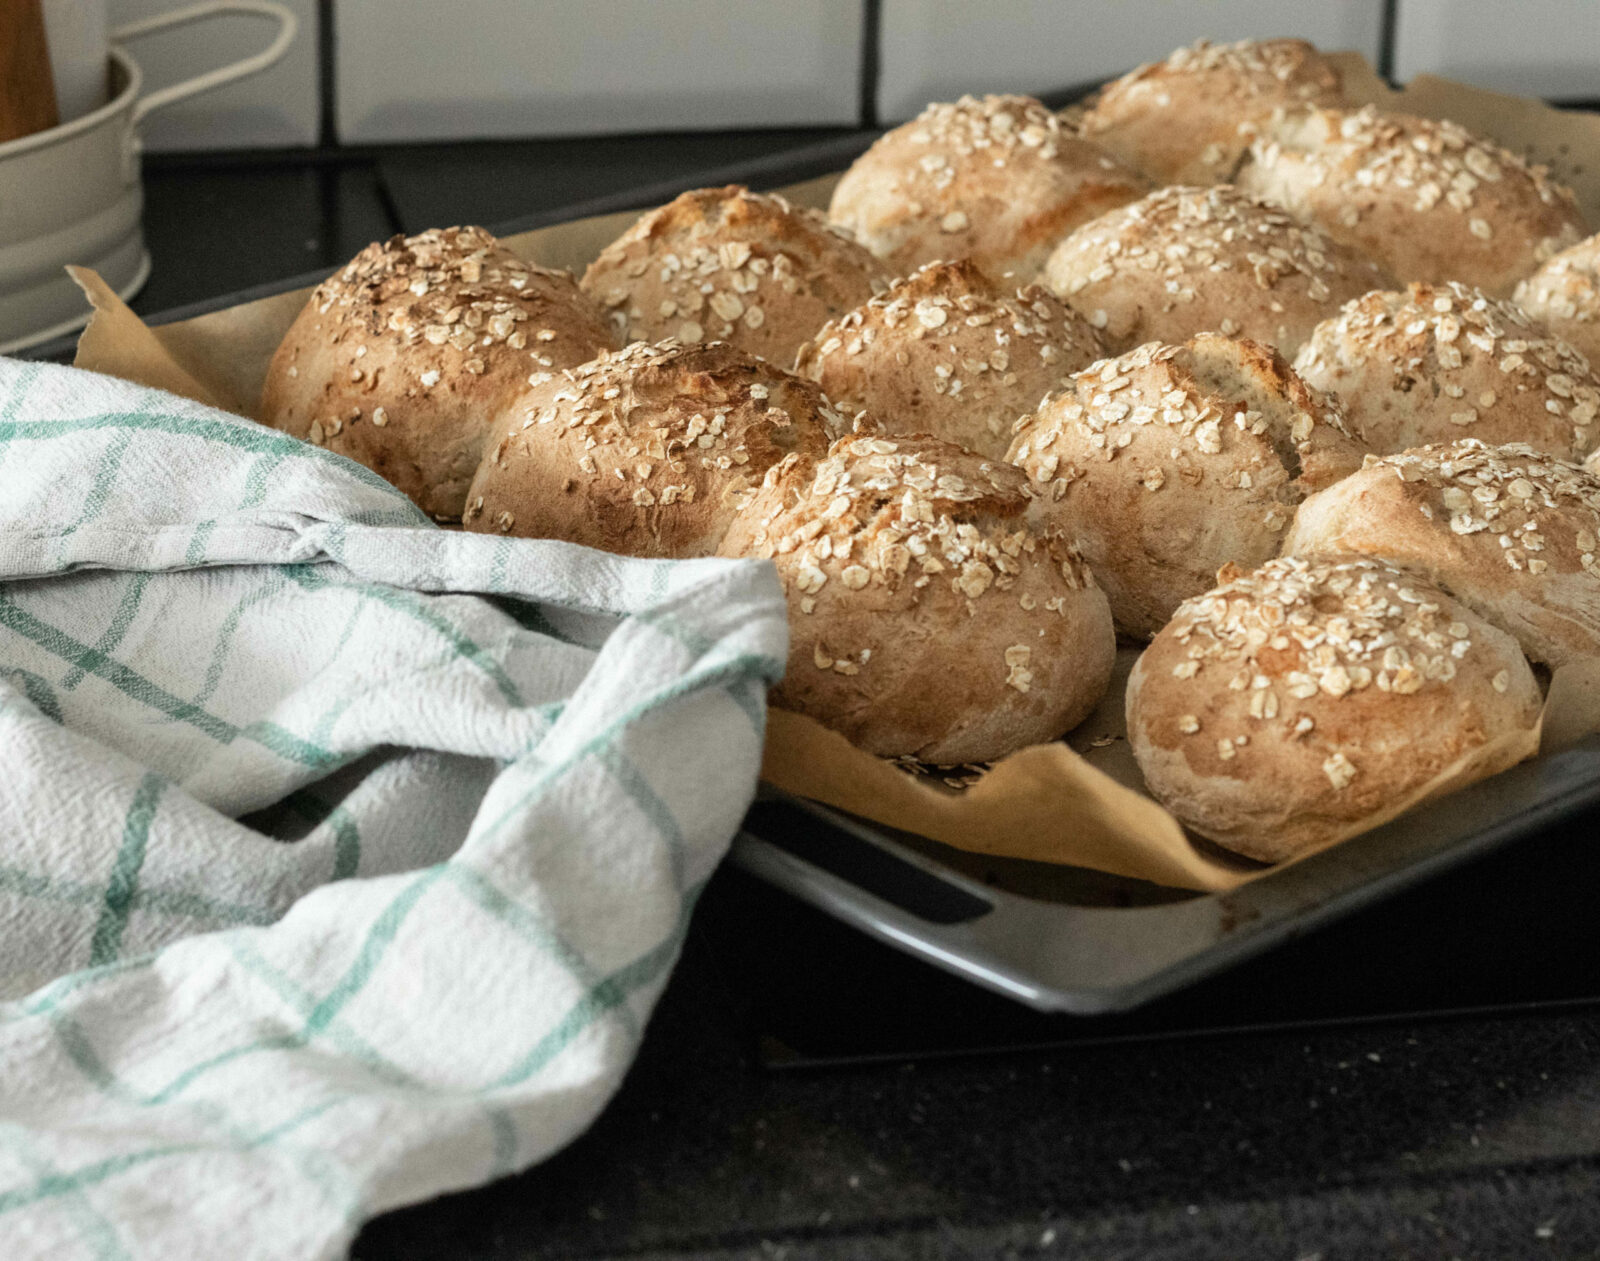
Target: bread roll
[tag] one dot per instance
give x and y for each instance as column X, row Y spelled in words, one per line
column 927, row 617
column 726, row 264
column 645, row 452
column 1190, row 118
column 400, row 359
column 1440, row 362
column 947, row 353
column 997, row 179
column 1303, row 703
column 1512, row 533
column 1192, row 260
column 1428, row 200
column 1171, row 461
column 1564, row 296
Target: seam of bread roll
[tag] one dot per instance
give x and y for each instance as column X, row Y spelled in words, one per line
column 399, row 359
column 1296, row 705
column 1426, row 198
column 946, row 352
column 645, row 452
column 1434, row 363
column 727, row 264
column 1511, row 532
column 1186, row 260
column 1564, row 295
column 997, row 179
column 1169, row 461
column 1189, row 118
column 927, row 616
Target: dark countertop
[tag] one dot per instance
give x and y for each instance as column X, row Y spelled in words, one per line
column 754, row 1126
column 1421, row 1080
column 220, row 223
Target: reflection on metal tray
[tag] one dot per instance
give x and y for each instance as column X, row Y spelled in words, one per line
column 1064, row 939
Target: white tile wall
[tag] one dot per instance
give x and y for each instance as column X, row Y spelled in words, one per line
column 1548, row 48
column 426, row 70
column 278, row 108
column 934, row 50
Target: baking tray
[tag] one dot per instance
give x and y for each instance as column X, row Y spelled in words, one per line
column 1062, row 939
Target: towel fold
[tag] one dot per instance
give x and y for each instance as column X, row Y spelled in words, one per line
column 343, row 857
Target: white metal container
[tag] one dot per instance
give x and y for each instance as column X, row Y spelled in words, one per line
column 71, row 194
column 77, row 33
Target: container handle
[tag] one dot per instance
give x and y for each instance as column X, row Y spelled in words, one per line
column 287, row 25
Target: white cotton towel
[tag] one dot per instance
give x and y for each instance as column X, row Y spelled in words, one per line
column 342, row 857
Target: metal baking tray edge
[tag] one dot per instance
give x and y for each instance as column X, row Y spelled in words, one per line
column 1090, row 960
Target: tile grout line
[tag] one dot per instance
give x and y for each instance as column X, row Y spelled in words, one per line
column 871, row 62
column 327, row 72
column 1389, row 22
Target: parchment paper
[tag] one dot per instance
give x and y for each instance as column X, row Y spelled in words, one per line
column 1084, row 801
column 1081, row 802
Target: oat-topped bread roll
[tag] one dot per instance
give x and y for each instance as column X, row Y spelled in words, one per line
column 1511, row 532
column 1304, row 703
column 1564, row 296
column 1172, row 461
column 400, row 359
column 726, row 264
column 997, row 179
column 927, row 617
column 1190, row 118
column 1428, row 200
column 1435, row 363
column 1191, row 260
column 948, row 353
column 645, row 452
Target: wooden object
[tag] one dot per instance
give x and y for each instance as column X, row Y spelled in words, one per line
column 27, row 91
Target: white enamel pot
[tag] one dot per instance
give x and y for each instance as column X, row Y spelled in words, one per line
column 71, row 194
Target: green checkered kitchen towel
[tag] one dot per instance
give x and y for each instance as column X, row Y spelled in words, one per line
column 341, row 857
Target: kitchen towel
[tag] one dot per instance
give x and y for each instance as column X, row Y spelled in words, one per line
column 342, row 857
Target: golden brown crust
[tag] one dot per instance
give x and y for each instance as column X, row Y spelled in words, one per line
column 1427, row 199
column 726, row 264
column 946, row 352
column 1512, row 533
column 1190, row 118
column 1435, row 363
column 645, row 452
column 1564, row 296
column 1190, row 260
column 1299, row 703
column 997, row 179
column 1171, row 461
column 927, row 617
column 399, row 359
